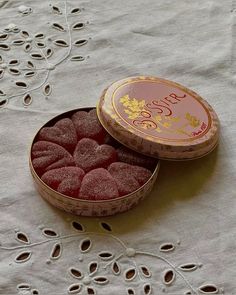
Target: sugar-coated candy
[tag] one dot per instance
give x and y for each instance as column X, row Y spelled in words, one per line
column 129, row 156
column 66, row 180
column 47, row 156
column 90, row 155
column 62, row 133
column 98, row 184
column 128, row 177
column 87, row 125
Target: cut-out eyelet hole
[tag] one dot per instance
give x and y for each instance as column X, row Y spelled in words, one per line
column 56, row 251
column 14, row 62
column 22, row 237
column 40, row 44
column 81, row 42
column 4, row 47
column 85, row 245
column 39, row 36
column 76, row 225
column 61, row 43
column 73, row 289
column 36, row 56
column 167, row 247
column 24, row 286
column 30, row 65
column 76, row 273
column 21, row 84
column 145, row 271
column 3, row 37
column 130, row 274
column 188, row 293
column 56, row 10
column 106, row 255
column 93, row 267
column 90, row 291
column 100, row 280
column 49, row 233
column 188, row 267
column 169, row 277
column 47, row 89
column 77, row 58
column 49, row 52
column 28, row 47
column 58, row 27
column 147, row 289
column 29, row 74
column 78, row 26
column 14, row 71
column 209, row 289
column 75, row 10
column 25, row 34
column 35, row 292
column 3, row 103
column 106, row 226
column 1, row 73
column 23, row 256
column 27, row 100
column 1, row 60
column 130, row 291
column 116, row 268
column 2, row 93
column 18, row 42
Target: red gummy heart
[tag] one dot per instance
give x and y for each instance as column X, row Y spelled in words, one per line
column 98, row 184
column 88, row 125
column 66, row 180
column 62, row 133
column 128, row 177
column 128, row 156
column 90, row 155
column 47, row 156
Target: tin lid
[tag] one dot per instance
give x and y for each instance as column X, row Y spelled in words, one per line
column 159, row 118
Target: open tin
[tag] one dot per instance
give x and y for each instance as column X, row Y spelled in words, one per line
column 152, row 116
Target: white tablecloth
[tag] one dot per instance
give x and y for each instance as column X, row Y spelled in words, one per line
column 191, row 210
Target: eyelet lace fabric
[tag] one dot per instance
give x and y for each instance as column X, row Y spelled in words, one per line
column 59, row 55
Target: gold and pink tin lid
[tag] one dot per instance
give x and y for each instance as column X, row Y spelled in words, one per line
column 159, row 118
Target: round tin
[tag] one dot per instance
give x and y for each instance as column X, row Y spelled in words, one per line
column 87, row 207
column 159, row 118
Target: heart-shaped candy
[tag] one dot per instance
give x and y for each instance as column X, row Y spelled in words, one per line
column 47, row 156
column 88, row 125
column 98, row 184
column 66, row 180
column 128, row 177
column 90, row 155
column 62, row 133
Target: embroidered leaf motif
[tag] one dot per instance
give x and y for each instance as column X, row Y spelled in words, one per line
column 23, row 256
column 14, row 71
column 56, row 10
column 56, row 251
column 3, row 102
column 106, row 226
column 77, row 58
column 78, row 26
column 130, row 274
column 61, row 43
column 75, row 288
column 29, row 74
column 39, row 36
column 49, row 52
column 209, row 289
column 167, row 247
column 21, row 84
column 75, row 10
column 169, row 277
column 36, row 56
column 18, row 42
column 14, row 62
column 76, row 273
column 93, row 267
column 49, row 233
column 22, row 237
column 4, row 47
column 188, row 267
column 58, row 27
column 116, row 268
column 40, row 44
column 100, row 280
column 27, row 100
column 85, row 245
column 90, row 291
column 3, row 37
column 145, row 271
column 147, row 289
column 30, row 65
column 28, row 47
column 25, row 34
column 47, row 89
column 76, row 225
column 106, row 255
column 80, row 42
